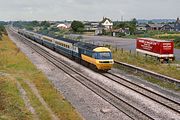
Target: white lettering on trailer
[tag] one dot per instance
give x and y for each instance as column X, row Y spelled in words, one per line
column 167, row 46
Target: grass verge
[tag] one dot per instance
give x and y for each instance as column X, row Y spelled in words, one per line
column 149, row 63
column 12, row 106
column 17, row 65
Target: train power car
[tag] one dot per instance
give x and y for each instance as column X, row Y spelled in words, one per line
column 162, row 49
column 98, row 57
column 95, row 56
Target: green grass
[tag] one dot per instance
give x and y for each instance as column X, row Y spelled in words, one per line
column 148, row 63
column 40, row 109
column 161, row 83
column 17, row 65
column 12, row 106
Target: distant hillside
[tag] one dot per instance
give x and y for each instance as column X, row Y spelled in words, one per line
column 156, row 20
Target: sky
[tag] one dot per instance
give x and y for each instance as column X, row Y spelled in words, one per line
column 92, row 10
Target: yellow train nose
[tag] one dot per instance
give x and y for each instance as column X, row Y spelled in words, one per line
column 104, row 64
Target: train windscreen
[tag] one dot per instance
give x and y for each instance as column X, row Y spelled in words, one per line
column 102, row 55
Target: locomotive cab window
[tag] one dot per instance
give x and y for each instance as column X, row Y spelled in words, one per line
column 94, row 55
column 102, row 55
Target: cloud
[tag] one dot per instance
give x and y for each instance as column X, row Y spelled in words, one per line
column 87, row 9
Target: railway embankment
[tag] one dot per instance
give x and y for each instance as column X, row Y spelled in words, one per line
column 169, row 69
column 149, row 63
column 25, row 92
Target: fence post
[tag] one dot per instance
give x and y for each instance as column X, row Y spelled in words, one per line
column 122, row 50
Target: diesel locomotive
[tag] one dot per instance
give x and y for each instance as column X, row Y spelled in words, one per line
column 96, row 57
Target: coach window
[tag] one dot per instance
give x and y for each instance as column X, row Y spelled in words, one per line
column 94, row 55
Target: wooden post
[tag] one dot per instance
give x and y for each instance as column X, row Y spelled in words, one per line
column 122, row 50
column 116, row 48
column 146, row 56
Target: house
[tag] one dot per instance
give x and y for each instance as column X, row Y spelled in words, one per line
column 99, row 31
column 120, row 32
column 91, row 25
column 106, row 23
column 87, row 26
column 177, row 25
column 154, row 26
column 141, row 27
column 167, row 27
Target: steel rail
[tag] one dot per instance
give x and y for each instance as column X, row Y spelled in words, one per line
column 150, row 73
column 52, row 58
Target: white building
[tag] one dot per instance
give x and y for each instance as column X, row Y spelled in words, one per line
column 107, row 23
column 62, row 26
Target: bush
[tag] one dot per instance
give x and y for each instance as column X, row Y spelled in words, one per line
column 139, row 32
column 89, row 30
column 2, row 31
column 177, row 42
column 121, row 34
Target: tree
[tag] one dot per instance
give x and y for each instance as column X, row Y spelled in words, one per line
column 120, row 25
column 177, row 42
column 35, row 23
column 132, row 26
column 134, row 21
column 29, row 28
column 77, row 26
column 45, row 24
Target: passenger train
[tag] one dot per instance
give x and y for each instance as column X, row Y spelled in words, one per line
column 93, row 56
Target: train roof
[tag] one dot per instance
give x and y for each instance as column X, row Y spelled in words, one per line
column 67, row 40
column 87, row 46
column 102, row 49
column 63, row 39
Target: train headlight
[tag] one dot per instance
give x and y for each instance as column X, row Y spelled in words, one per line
column 106, row 62
column 101, row 61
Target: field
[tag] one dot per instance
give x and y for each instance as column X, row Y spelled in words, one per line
column 22, row 83
column 167, row 36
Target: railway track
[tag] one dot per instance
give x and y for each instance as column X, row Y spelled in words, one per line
column 113, row 99
column 122, row 105
column 157, row 97
column 149, row 73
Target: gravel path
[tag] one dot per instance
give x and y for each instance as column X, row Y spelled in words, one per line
column 89, row 105
column 26, row 100
column 36, row 93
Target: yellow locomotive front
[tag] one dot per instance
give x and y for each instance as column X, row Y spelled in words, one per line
column 101, row 58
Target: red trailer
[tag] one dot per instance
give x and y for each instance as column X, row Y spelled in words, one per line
column 162, row 49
